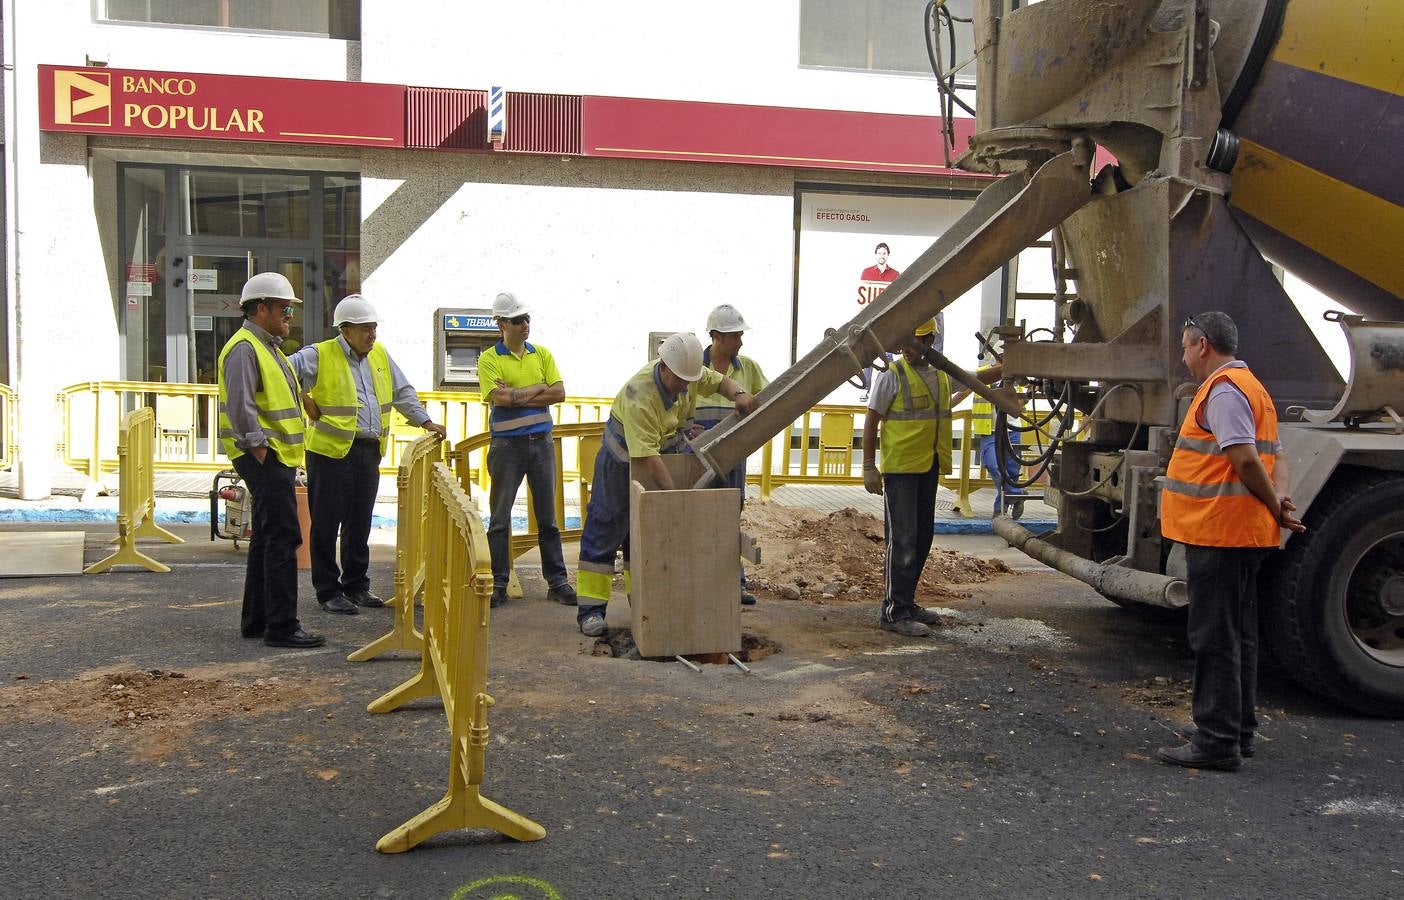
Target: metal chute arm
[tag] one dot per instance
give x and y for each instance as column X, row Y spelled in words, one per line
column 1007, row 217
column 1003, row 399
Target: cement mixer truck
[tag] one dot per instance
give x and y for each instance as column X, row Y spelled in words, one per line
column 1245, row 134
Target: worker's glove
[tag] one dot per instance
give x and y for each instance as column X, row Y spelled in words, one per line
column 872, row 480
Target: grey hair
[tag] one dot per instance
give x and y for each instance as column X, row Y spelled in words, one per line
column 1217, row 328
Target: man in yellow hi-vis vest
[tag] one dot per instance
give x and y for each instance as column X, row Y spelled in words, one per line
column 352, row 384
column 261, row 430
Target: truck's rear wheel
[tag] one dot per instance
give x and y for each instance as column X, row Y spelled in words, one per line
column 1333, row 601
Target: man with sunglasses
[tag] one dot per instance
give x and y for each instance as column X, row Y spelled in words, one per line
column 1225, row 499
column 520, row 382
column 261, row 430
column 351, row 385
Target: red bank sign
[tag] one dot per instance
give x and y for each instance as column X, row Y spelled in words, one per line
column 134, row 102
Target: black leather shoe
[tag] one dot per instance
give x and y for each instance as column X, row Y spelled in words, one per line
column 747, row 598
column 498, row 598
column 366, row 599
column 339, row 605
column 1191, row 757
column 1247, row 747
column 298, row 638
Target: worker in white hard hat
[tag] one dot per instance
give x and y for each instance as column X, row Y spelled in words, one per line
column 261, row 431
column 727, row 328
column 645, row 416
column 351, row 385
column 520, row 382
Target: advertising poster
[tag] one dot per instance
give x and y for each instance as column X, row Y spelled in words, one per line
column 853, row 246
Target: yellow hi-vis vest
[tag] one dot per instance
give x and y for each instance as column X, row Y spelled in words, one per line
column 336, row 396
column 279, row 414
column 982, row 415
column 916, row 430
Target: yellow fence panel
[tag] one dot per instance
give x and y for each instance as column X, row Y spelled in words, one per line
column 9, row 426
column 412, row 516
column 457, row 598
column 136, row 496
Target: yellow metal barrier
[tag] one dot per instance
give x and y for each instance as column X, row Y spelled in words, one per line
column 136, row 496
column 457, row 592
column 187, row 423
column 9, row 427
column 412, row 515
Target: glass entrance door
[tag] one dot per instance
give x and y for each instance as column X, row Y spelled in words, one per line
column 216, row 280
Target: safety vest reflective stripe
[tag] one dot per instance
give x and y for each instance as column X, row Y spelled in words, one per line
column 507, row 425
column 1204, row 502
column 1212, row 448
column 916, row 428
column 338, row 401
column 1222, row 489
column 981, row 417
column 584, row 566
column 614, row 440
column 276, row 406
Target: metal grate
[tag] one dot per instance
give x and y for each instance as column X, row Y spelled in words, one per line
column 543, row 123
column 446, row 119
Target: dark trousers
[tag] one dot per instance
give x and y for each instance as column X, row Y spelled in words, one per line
column 341, row 496
column 1223, row 633
column 605, row 533
column 509, row 460
column 909, row 519
column 270, row 580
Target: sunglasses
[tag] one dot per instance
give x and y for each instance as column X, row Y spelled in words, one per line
column 519, row 320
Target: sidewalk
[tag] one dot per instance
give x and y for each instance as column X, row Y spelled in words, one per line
column 183, row 498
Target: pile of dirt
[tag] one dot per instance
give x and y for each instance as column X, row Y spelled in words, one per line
column 1161, row 692
column 154, row 708
column 807, row 555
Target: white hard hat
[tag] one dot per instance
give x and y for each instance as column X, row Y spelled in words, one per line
column 507, row 306
column 682, row 354
column 267, row 286
column 726, row 319
column 354, row 310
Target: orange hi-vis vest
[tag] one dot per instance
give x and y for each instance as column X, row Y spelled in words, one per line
column 1204, row 503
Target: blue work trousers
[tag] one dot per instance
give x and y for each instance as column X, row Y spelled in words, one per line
column 605, row 533
column 1003, row 481
column 509, row 460
column 908, row 522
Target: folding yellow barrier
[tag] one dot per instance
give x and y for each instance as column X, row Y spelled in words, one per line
column 412, row 512
column 457, row 595
column 136, row 495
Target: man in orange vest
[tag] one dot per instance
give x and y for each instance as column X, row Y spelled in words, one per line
column 1225, row 499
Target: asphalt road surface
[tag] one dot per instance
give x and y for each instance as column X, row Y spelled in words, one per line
column 1010, row 755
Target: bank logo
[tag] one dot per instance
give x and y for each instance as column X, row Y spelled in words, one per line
column 82, row 98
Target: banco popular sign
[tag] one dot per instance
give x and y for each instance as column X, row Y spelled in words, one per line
column 220, row 107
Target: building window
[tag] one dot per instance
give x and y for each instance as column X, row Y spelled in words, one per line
column 879, row 36
column 330, row 18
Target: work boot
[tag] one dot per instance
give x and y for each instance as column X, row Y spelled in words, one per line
column 1247, row 747
column 499, row 597
column 365, row 598
column 747, row 598
column 1191, row 757
column 1016, row 509
column 338, row 604
column 926, row 616
column 908, row 627
column 563, row 594
column 593, row 625
column 298, row 638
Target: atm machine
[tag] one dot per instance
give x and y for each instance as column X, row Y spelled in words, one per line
column 460, row 337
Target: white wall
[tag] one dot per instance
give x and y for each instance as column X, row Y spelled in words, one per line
column 726, row 51
column 604, row 252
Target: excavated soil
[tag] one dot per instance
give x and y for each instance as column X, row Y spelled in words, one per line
column 838, row 557
column 154, row 711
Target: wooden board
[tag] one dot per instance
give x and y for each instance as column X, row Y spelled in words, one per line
column 685, row 568
column 27, row 554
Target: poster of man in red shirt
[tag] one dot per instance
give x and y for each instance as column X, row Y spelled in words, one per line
column 877, row 277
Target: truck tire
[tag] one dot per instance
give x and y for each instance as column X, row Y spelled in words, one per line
column 1333, row 601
